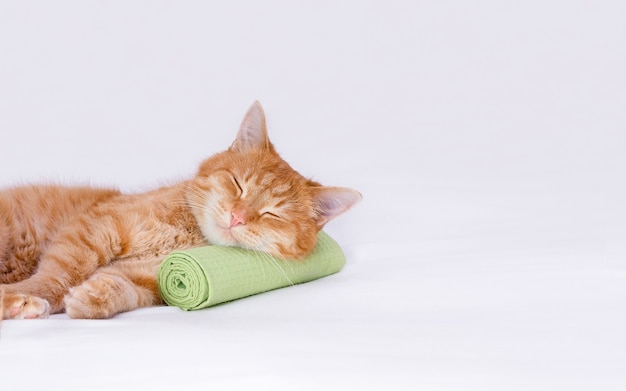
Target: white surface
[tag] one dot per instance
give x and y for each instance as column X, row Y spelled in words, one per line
column 488, row 140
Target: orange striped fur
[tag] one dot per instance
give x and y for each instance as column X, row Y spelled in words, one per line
column 94, row 252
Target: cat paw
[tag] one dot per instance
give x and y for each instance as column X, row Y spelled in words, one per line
column 96, row 298
column 18, row 306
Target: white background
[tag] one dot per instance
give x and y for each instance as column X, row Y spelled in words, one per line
column 487, row 138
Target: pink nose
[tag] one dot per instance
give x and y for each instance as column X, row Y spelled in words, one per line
column 237, row 217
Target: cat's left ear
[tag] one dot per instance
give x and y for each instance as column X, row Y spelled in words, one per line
column 333, row 201
column 253, row 131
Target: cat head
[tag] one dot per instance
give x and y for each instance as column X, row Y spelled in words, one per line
column 248, row 196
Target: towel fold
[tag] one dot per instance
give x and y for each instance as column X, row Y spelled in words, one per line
column 205, row 276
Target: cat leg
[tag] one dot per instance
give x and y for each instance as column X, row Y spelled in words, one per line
column 76, row 253
column 122, row 286
column 37, row 296
column 27, row 300
column 19, row 306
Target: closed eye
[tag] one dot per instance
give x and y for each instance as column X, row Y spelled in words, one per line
column 270, row 214
column 238, row 185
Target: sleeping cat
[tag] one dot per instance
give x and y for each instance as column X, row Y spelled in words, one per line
column 94, row 252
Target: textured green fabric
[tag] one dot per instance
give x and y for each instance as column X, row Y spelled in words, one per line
column 204, row 276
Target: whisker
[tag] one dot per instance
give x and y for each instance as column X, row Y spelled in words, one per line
column 259, row 259
column 273, row 261
column 278, row 267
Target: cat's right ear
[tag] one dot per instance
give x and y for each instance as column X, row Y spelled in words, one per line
column 333, row 201
column 253, row 131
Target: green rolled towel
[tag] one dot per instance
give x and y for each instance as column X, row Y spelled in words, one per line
column 205, row 276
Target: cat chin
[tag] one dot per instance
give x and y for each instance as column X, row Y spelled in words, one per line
column 226, row 237
column 220, row 236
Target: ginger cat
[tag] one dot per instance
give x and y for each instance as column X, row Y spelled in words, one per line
column 94, row 252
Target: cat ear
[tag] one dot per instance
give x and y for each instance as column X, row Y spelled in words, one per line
column 252, row 132
column 333, row 201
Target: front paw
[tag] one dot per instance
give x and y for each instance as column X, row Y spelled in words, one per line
column 96, row 298
column 19, row 306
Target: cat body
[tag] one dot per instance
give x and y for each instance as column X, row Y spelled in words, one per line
column 94, row 252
